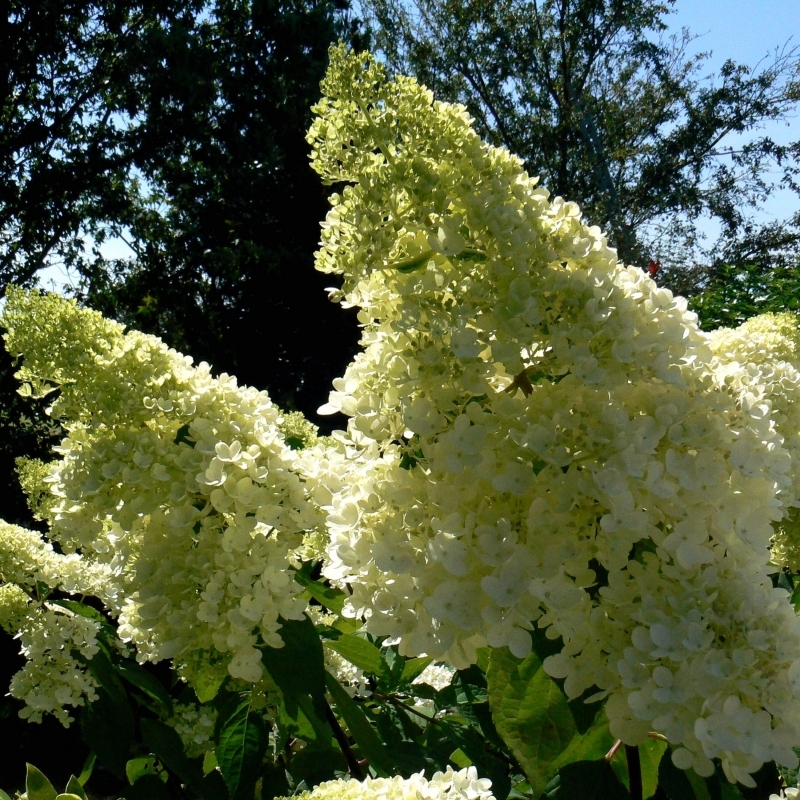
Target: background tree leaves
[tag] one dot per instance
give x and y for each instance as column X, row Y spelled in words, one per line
column 613, row 114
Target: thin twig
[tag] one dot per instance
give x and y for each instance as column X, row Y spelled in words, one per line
column 613, row 751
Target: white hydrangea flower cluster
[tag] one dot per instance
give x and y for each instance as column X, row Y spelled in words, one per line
column 14, row 605
column 181, row 483
column 53, row 678
column 26, row 559
column 351, row 678
column 537, row 436
column 463, row 784
column 439, row 676
column 195, row 725
column 760, row 361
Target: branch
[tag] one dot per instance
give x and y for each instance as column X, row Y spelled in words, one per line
column 353, row 764
column 634, row 772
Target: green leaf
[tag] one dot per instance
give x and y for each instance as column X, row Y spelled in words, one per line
column 330, row 597
column 372, row 748
column 650, row 755
column 241, row 739
column 107, row 727
column 183, row 435
column 164, row 742
column 103, row 672
column 274, row 782
column 698, row 785
column 313, row 766
column 413, row 668
column 727, row 791
column 87, row 769
column 4, row 796
column 534, row 719
column 68, row 796
column 299, row 666
column 209, row 762
column 206, row 684
column 298, row 669
column 37, row 787
column 412, row 263
column 82, row 610
column 139, row 767
column 148, row 787
column 473, row 745
column 139, row 677
column 590, row 780
column 74, row 786
column 358, row 651
column 673, row 780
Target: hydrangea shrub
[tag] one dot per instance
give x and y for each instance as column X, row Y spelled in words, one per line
column 541, row 445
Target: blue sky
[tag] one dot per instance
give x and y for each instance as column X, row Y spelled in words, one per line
column 745, row 31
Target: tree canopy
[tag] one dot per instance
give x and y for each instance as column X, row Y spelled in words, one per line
column 611, row 112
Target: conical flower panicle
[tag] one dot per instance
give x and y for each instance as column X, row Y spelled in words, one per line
column 538, row 436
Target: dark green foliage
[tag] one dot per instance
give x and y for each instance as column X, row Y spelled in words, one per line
column 734, row 293
column 590, row 780
column 241, row 738
column 224, row 219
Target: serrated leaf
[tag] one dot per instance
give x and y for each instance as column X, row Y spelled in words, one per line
column 107, row 727
column 82, row 610
column 650, row 755
column 241, row 739
column 206, row 685
column 413, row 668
column 139, row 677
column 37, row 786
column 373, row 749
column 298, row 669
column 299, row 666
column 358, row 651
column 163, row 741
column 534, row 719
column 460, row 758
column 333, row 599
